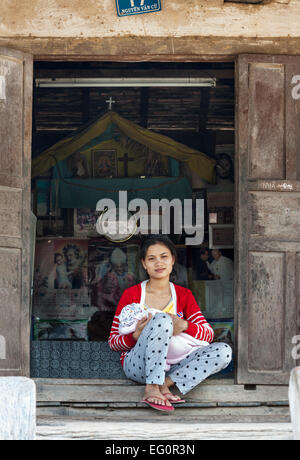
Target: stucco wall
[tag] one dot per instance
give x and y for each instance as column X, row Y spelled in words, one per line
column 179, row 18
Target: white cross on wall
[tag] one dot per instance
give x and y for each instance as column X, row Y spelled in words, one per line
column 110, row 103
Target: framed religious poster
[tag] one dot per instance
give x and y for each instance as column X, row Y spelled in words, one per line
column 112, row 269
column 60, row 286
column 85, row 223
column 105, row 163
column 78, row 166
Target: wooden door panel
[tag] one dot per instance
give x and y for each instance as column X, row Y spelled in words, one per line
column 275, row 218
column 266, row 127
column 292, row 120
column 298, row 294
column 10, row 212
column 15, row 177
column 11, row 318
column 266, row 311
column 268, row 217
column 11, row 157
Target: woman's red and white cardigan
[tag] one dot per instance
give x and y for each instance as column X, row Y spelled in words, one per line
column 187, row 308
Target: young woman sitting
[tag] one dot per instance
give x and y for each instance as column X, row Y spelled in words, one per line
column 146, row 351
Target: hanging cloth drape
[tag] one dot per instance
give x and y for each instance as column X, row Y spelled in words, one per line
column 94, row 134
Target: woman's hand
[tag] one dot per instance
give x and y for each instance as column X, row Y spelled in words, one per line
column 140, row 326
column 179, row 325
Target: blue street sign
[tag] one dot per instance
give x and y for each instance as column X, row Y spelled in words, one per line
column 131, row 7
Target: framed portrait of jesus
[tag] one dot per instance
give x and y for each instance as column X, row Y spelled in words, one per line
column 104, row 163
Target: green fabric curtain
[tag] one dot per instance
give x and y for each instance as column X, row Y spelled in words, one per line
column 85, row 193
column 98, row 134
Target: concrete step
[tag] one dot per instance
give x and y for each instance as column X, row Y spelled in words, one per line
column 93, row 429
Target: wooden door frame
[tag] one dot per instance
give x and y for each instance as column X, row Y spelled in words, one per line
column 163, row 59
column 19, row 243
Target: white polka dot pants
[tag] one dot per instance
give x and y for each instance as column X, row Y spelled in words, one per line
column 146, row 362
column 199, row 365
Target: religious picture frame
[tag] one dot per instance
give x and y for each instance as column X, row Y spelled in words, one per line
column 154, row 166
column 112, row 269
column 85, row 223
column 105, row 163
column 78, row 165
column 60, row 285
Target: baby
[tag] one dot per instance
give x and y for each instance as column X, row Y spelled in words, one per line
column 62, row 280
column 180, row 345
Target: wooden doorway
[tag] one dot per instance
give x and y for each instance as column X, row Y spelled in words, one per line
column 261, row 358
column 200, row 118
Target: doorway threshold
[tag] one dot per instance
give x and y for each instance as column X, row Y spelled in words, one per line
column 126, row 393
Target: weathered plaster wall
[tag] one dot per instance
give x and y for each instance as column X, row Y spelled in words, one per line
column 179, row 18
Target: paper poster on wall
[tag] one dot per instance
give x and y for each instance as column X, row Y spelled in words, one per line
column 112, row 269
column 61, row 279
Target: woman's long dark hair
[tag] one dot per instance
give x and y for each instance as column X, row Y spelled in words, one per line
column 159, row 239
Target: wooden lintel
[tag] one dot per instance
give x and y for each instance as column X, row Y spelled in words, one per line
column 148, row 49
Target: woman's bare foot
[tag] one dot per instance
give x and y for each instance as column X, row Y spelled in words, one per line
column 165, row 390
column 153, row 394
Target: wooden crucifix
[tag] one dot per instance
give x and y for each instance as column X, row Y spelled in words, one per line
column 126, row 159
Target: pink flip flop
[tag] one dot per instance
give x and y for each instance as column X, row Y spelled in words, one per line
column 158, row 406
column 178, row 401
